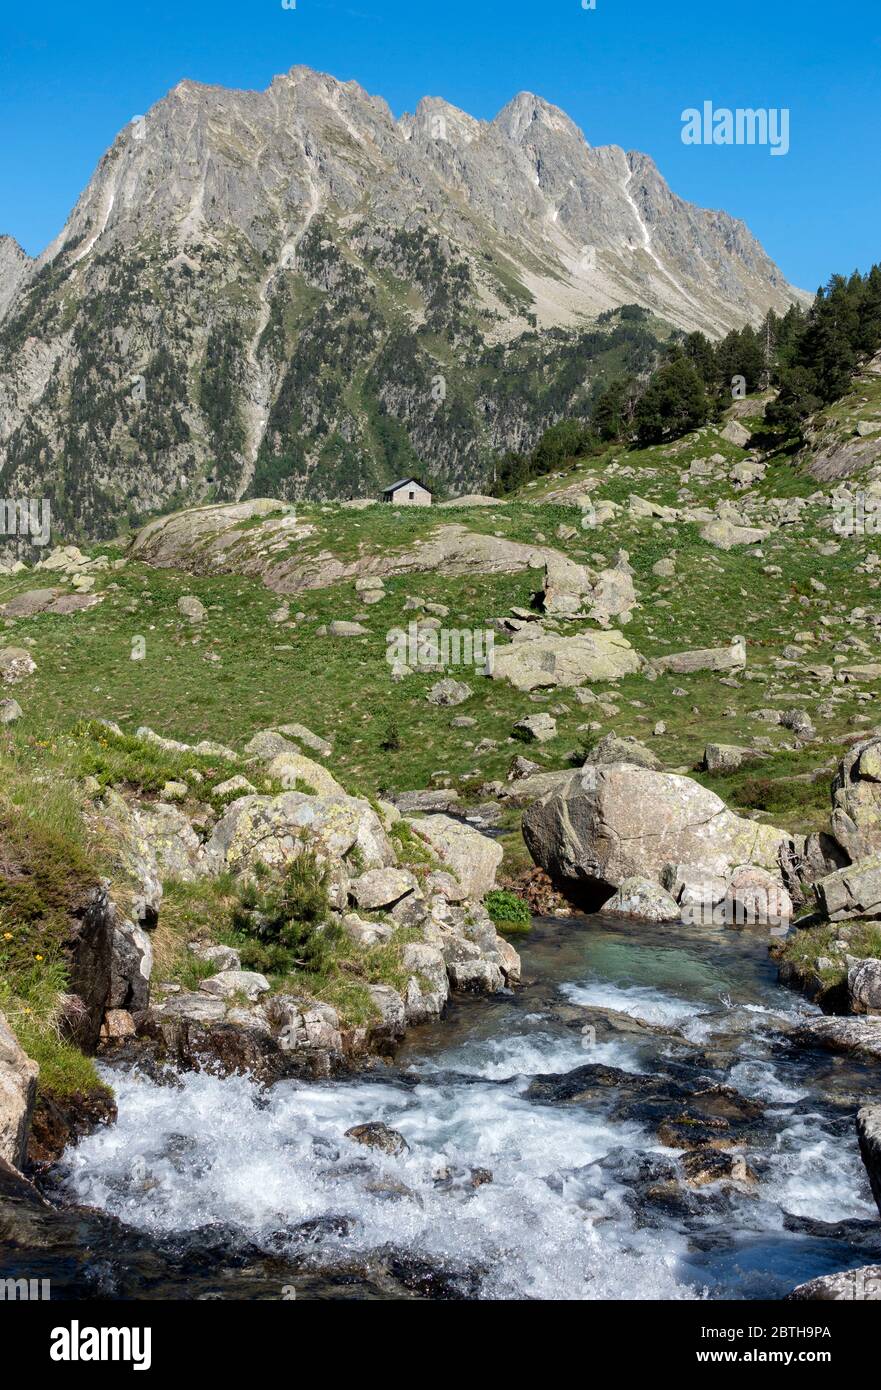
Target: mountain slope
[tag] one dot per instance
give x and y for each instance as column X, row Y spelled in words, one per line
column 290, row 291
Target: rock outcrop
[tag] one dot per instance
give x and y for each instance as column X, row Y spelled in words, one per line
column 18, row 1087
column 234, row 1021
column 854, row 891
column 730, row 658
column 611, row 823
column 643, row 899
column 553, row 659
column 856, row 799
column 869, row 1133
column 471, row 858
column 851, row 1285
column 272, row 830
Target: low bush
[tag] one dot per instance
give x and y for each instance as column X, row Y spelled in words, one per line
column 507, row 910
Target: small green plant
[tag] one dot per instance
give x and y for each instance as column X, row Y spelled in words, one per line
column 765, row 794
column 507, row 910
column 412, row 849
column 268, row 957
column 391, row 739
column 194, row 970
column 289, row 911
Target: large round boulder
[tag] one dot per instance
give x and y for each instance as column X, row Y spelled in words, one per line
column 610, row 823
column 273, row 830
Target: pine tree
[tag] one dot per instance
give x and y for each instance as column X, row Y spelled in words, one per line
column 673, row 403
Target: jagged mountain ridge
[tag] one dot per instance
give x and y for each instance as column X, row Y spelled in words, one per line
column 291, row 291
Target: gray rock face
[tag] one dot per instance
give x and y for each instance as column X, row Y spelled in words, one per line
column 643, row 899
column 272, row 830
column 869, row 1133
column 131, row 967
column 294, row 770
column 476, row 977
column 10, row 711
column 227, row 983
column 471, row 858
column 607, row 824
column 864, row 987
column 556, row 660
column 266, row 745
column 571, row 590
column 731, row 658
column 213, row 539
column 525, row 790
column 854, row 891
column 856, row 799
column 726, row 757
column 536, row 728
column 376, row 1135
column 15, row 265
column 312, row 185
column 18, row 1088
column 448, row 692
column 612, row 749
column 154, row 841
column 16, row 663
column 428, row 987
column 852, row 1285
column 756, row 897
column 300, row 734
column 193, row 1007
column 736, row 433
column 392, row 1014
column 428, row 799
column 858, row 1035
column 725, row 534
column 191, row 608
column 27, row 604
column 223, row 957
column 378, row 888
column 234, row 786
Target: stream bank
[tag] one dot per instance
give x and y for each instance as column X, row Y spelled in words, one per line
column 637, row 1121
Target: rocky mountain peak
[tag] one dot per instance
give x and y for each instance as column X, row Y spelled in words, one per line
column 527, row 114
column 292, row 273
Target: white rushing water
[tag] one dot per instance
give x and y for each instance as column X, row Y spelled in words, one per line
column 557, row 1221
column 215, row 1152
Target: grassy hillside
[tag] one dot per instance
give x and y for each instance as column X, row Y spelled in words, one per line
column 238, row 671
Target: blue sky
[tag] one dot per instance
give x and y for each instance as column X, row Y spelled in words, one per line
column 71, row 76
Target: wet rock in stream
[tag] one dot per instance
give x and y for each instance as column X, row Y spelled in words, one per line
column 852, row 1285
column 591, row 1082
column 378, row 1136
column 701, row 1168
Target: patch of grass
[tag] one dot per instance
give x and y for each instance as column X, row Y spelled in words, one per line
column 48, row 864
column 788, row 787
column 805, row 948
column 32, row 1002
column 43, row 878
column 509, row 911
column 199, row 911
column 123, row 760
column 765, row 794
